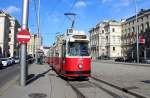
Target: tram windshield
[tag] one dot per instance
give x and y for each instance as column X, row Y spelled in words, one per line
column 78, row 49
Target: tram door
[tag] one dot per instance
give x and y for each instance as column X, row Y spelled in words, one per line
column 63, row 50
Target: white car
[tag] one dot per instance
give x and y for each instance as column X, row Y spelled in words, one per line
column 5, row 62
column 16, row 60
column 11, row 60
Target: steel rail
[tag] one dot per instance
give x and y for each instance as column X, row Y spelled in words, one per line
column 119, row 88
column 78, row 92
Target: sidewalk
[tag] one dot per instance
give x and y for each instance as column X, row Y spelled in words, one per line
column 43, row 84
column 123, row 63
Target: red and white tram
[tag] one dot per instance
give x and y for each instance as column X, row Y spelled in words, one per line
column 69, row 56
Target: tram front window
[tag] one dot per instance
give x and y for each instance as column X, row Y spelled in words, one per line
column 78, row 49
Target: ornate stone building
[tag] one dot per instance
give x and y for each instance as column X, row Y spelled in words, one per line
column 105, row 39
column 129, row 29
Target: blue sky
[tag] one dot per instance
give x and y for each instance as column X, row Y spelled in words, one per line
column 89, row 13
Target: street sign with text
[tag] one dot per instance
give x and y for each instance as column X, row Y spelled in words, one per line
column 141, row 40
column 23, row 36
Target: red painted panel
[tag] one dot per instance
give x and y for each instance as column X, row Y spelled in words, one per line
column 72, row 64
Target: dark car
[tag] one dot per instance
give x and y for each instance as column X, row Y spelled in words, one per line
column 29, row 59
column 1, row 65
column 129, row 59
column 119, row 59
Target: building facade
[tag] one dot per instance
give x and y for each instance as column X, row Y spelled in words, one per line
column 105, row 39
column 130, row 28
column 34, row 44
column 9, row 28
column 12, row 42
column 45, row 49
column 113, row 39
column 98, row 40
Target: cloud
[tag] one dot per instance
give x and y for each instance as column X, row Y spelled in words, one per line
column 80, row 4
column 11, row 9
column 104, row 1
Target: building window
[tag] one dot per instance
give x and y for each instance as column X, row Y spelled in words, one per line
column 138, row 28
column 142, row 19
column 9, row 31
column 106, row 37
column 129, row 30
column 133, row 29
column 147, row 24
column 142, row 27
column 102, row 31
column 113, row 29
column 8, row 47
column 133, row 22
column 9, row 39
column 113, row 48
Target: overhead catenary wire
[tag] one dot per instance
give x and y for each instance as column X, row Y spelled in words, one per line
column 36, row 13
column 70, row 10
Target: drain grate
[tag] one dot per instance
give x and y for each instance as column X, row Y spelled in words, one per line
column 146, row 81
column 37, row 95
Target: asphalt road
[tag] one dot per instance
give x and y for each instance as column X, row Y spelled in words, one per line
column 8, row 74
column 136, row 78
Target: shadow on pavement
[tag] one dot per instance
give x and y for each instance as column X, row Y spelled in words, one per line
column 32, row 77
column 74, row 79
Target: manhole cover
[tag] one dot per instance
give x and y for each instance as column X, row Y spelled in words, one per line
column 37, row 95
column 146, row 81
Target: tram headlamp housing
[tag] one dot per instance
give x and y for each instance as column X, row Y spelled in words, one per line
column 80, row 66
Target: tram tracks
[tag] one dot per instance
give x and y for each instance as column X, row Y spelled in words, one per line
column 77, row 91
column 125, row 90
column 96, row 88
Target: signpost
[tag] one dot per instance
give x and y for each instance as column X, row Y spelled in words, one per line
column 23, row 37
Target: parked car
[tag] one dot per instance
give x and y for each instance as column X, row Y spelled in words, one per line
column 1, row 65
column 29, row 59
column 11, row 60
column 6, row 62
column 104, row 57
column 119, row 59
column 16, row 60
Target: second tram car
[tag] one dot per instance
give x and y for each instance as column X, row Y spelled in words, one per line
column 69, row 56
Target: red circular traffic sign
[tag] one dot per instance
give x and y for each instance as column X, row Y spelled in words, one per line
column 23, row 36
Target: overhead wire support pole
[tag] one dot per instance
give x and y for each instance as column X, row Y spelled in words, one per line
column 137, row 33
column 39, row 1
column 24, row 69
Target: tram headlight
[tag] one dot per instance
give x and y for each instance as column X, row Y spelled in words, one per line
column 80, row 66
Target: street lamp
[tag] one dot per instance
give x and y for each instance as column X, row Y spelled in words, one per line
column 137, row 34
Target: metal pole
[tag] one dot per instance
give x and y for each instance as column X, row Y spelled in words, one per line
column 38, row 18
column 38, row 35
column 145, row 56
column 137, row 34
column 24, row 69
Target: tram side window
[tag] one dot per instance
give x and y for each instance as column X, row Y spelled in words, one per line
column 64, row 50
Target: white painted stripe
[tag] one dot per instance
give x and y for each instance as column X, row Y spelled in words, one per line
column 23, row 36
